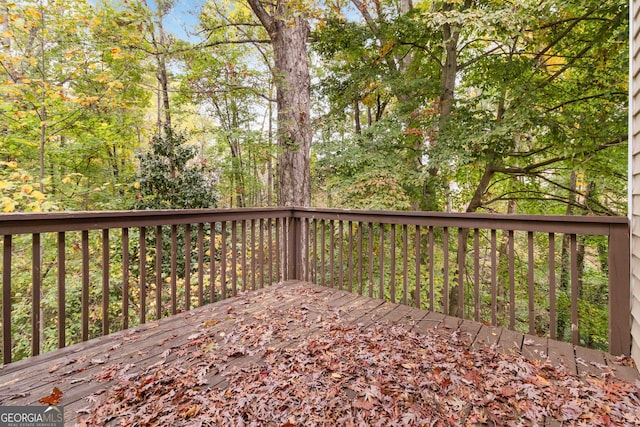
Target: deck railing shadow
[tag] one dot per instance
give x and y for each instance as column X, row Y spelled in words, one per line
column 70, row 277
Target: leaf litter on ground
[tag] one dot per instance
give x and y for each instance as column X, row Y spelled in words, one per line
column 265, row 372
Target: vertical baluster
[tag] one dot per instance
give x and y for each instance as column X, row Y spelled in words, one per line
column 431, row 268
column 158, row 272
column 243, row 235
column 360, row 259
column 418, row 291
column 574, row 291
column 306, row 222
column 322, row 255
column 187, row 267
column 278, row 276
column 125, row 278
column 105, row 281
column 253, row 254
column 445, row 249
column 261, row 252
column 553, row 320
column 143, row 275
column 6, row 298
column 62, row 317
column 234, row 258
column 212, row 264
column 392, row 275
column 36, row 290
column 350, row 256
column 174, row 269
column 512, row 281
column 314, row 273
column 340, row 254
column 494, row 278
column 331, row 247
column 405, row 264
column 476, row 274
column 85, row 286
column 270, row 240
column 463, row 233
column 381, row 262
column 370, row 252
column 530, row 282
column 200, row 243
column 223, row 259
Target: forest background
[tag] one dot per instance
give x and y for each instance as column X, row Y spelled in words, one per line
column 457, row 106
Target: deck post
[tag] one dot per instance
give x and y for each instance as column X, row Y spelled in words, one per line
column 293, row 247
column 619, row 290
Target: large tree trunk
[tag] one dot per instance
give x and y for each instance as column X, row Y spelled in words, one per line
column 289, row 33
column 294, row 124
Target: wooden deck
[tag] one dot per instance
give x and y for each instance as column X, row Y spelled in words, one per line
column 78, row 370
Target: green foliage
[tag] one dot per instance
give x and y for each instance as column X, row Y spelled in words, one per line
column 170, row 179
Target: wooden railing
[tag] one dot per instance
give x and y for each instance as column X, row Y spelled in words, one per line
column 70, row 277
column 564, row 277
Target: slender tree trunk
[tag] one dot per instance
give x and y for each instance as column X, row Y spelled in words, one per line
column 270, row 153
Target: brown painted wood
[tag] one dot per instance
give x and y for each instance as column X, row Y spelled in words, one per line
column 392, row 276
column 562, row 354
column 445, row 271
column 85, row 286
column 494, row 278
column 573, row 255
column 487, row 336
column 36, row 292
column 431, row 269
column 535, row 348
column 589, row 361
column 510, row 342
column 6, row 298
column 200, row 243
column 72, row 369
column 187, row 267
column 212, row 262
column 62, row 318
column 158, row 272
column 125, row 279
column 174, row 269
column 405, row 265
column 476, row 275
column 553, row 318
column 512, row 280
column 531, row 283
column 418, row 290
column 142, row 264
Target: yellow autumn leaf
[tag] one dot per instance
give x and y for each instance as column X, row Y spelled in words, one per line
column 136, row 185
column 27, row 188
column 66, row 180
column 37, row 195
column 9, row 206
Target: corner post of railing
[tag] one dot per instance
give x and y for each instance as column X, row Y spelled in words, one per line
column 619, row 290
column 293, row 246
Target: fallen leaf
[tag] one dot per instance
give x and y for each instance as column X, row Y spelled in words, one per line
column 53, row 398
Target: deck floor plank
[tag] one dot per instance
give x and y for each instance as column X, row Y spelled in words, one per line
column 76, row 369
column 510, row 342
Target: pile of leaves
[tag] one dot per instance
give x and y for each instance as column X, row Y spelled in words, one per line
column 264, row 371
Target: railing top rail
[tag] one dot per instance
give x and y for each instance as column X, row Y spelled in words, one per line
column 22, row 223
column 570, row 224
